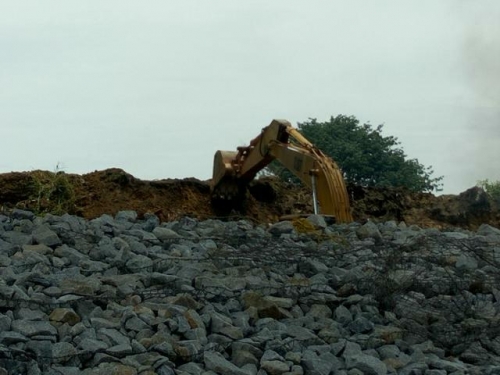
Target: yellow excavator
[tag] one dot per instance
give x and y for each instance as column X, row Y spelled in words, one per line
column 234, row 170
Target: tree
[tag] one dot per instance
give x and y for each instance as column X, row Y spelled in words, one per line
column 365, row 156
column 492, row 188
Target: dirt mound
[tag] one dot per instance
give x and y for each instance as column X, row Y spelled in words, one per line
column 107, row 192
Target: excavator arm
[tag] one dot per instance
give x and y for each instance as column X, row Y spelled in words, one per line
column 279, row 141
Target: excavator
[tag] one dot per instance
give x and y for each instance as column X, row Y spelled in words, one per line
column 234, row 170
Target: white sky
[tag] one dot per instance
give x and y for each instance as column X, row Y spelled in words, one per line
column 156, row 87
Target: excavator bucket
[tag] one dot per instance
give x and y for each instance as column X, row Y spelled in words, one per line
column 224, row 184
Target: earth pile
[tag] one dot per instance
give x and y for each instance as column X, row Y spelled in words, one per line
column 110, row 191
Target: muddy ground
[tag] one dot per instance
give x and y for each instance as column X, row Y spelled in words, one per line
column 109, row 191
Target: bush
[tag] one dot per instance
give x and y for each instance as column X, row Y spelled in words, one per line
column 492, row 188
column 366, row 157
column 53, row 192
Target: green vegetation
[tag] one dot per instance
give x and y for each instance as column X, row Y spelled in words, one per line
column 365, row 156
column 492, row 188
column 53, row 192
column 304, row 226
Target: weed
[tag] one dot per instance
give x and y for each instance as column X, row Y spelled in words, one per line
column 53, row 192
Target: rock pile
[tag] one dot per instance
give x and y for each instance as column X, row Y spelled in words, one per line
column 119, row 295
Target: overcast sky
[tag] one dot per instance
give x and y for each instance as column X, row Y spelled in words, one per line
column 156, row 87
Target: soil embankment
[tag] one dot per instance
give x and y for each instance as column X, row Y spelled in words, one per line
column 109, row 191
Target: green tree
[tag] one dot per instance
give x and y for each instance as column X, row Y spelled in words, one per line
column 492, row 188
column 365, row 156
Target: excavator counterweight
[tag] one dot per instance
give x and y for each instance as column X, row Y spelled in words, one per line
column 234, row 170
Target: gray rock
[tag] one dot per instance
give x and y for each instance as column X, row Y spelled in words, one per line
column 188, row 349
column 262, row 318
column 243, row 357
column 216, row 362
column 435, row 372
column 93, row 267
column 186, row 224
column 366, row 363
column 314, row 365
column 72, row 254
column 337, row 347
column 45, row 236
column 413, row 368
column 286, row 303
column 22, row 214
column 303, row 334
column 361, row 325
column 120, row 350
column 351, row 349
column 283, row 227
column 165, row 234
column 125, row 284
column 17, row 238
column 12, row 337
column 271, row 355
column 28, row 314
column 220, row 283
column 5, row 323
column 467, row 263
column 140, row 263
column 456, row 235
column 405, row 237
column 247, row 345
column 487, row 230
column 38, row 248
column 310, row 267
column 319, row 312
column 389, row 351
column 112, row 336
column 91, row 345
column 62, row 352
column 448, row 366
column 165, row 369
column 318, row 221
column 294, row 357
column 151, row 221
column 143, row 235
column 401, row 279
column 41, row 348
column 66, row 370
column 109, row 365
column 427, row 347
column 24, row 226
column 274, row 367
column 136, row 324
column 33, row 328
column 343, row 315
column 222, row 324
column 127, row 215
column 7, row 248
column 191, row 368
column 369, row 230
column 390, row 226
column 295, row 370
column 76, row 224
column 99, row 323
column 198, row 334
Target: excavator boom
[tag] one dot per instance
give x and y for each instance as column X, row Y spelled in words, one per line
column 279, row 141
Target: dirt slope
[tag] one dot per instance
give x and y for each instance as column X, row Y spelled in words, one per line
column 109, row 191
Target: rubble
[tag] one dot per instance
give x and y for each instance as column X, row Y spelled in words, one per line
column 130, row 294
